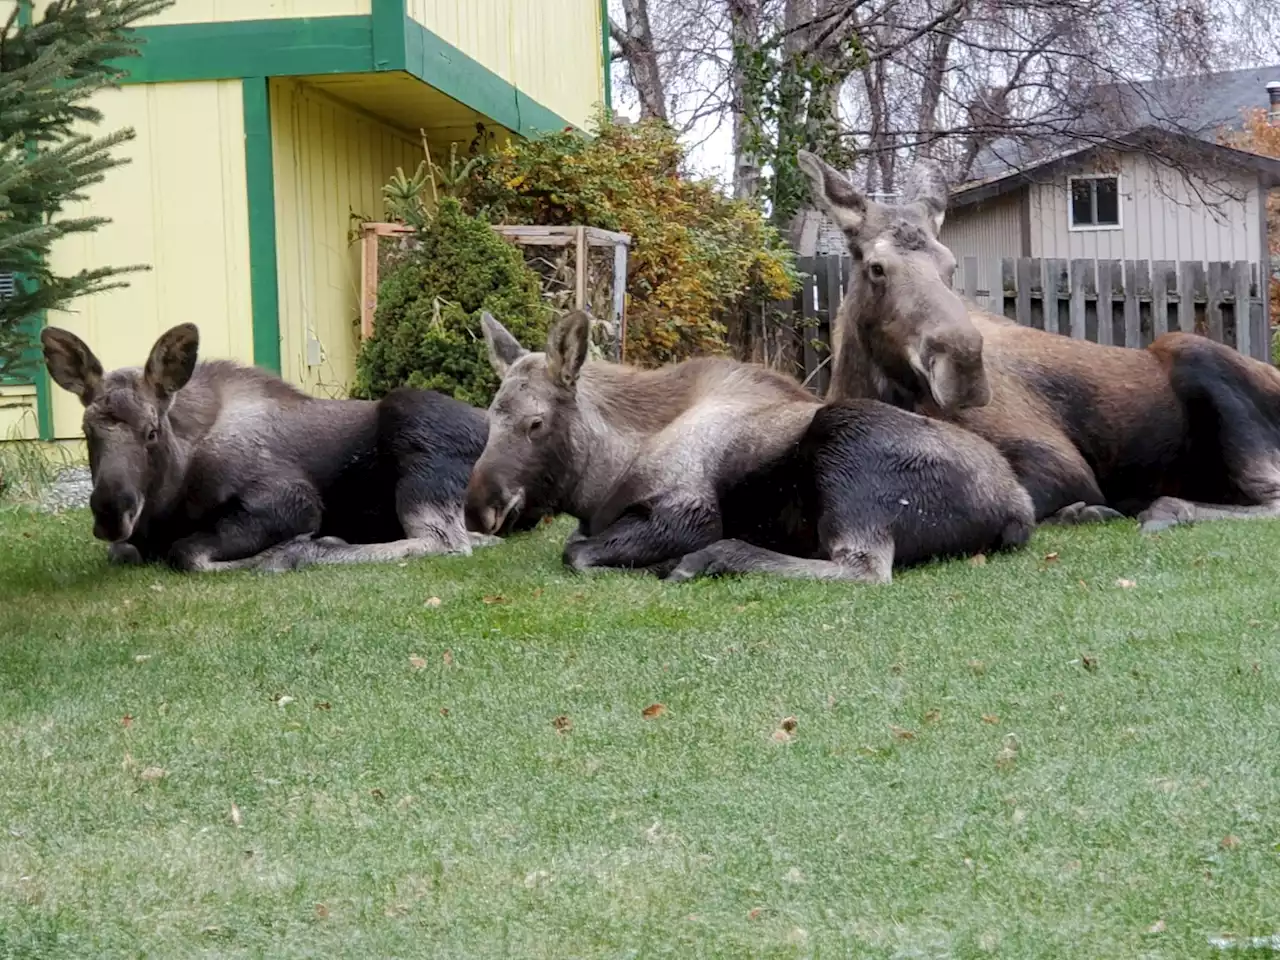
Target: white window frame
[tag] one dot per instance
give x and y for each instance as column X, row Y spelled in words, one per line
column 1094, row 227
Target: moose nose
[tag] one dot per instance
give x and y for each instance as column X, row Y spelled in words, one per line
column 114, row 513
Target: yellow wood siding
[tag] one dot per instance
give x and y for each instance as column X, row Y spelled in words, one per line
column 550, row 49
column 179, row 206
column 214, row 11
column 330, row 161
column 18, row 420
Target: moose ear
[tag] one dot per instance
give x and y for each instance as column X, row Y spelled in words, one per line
column 567, row 346
column 172, row 360
column 71, row 363
column 926, row 185
column 834, row 195
column 504, row 349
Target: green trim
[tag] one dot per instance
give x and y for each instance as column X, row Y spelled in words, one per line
column 261, row 196
column 453, row 73
column 40, row 378
column 386, row 40
column 606, row 54
column 252, row 48
column 389, row 20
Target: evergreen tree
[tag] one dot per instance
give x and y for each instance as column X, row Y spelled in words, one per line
column 49, row 70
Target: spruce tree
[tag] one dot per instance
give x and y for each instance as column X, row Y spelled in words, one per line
column 49, row 71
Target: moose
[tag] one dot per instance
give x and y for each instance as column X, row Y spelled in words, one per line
column 711, row 466
column 1186, row 429
column 218, row 466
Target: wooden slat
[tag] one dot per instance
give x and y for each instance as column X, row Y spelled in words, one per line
column 1136, row 284
column 368, row 281
column 1057, row 290
column 835, row 294
column 1259, row 333
column 1219, row 283
column 970, row 266
column 1007, row 288
column 1105, row 306
column 1081, row 284
column 1164, row 280
column 1243, row 340
column 809, row 311
column 1025, row 282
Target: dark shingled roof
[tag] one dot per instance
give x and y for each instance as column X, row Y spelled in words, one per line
column 1199, row 106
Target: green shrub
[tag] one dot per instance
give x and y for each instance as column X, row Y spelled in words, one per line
column 427, row 327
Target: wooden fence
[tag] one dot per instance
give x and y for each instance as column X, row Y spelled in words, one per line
column 1123, row 302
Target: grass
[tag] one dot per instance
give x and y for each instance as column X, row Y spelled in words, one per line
column 1018, row 759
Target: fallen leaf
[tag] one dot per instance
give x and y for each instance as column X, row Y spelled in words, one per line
column 494, row 598
column 902, row 733
column 653, row 710
column 324, row 705
column 444, row 711
column 977, row 667
column 236, row 818
column 1051, row 557
column 789, row 724
column 285, row 700
column 794, row 875
column 1019, row 815
column 142, row 658
column 754, row 913
column 932, row 716
column 537, row 592
column 1157, row 927
column 1126, row 584
column 1008, row 753
column 322, row 912
column 990, row 718
column 432, row 602
column 562, row 724
column 153, row 773
column 653, row 834
column 1088, row 662
column 448, row 658
column 127, row 720
column 781, row 736
column 416, row 661
column 1230, row 842
column 157, row 588
column 978, row 560
column 377, row 794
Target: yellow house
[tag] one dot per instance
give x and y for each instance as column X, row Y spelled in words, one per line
column 262, row 127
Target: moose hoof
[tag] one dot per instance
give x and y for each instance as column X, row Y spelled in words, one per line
column 702, row 563
column 124, row 555
column 479, row 540
column 1164, row 513
column 1081, row 512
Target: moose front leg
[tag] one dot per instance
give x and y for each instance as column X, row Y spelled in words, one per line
column 263, row 518
column 645, row 536
column 864, row 560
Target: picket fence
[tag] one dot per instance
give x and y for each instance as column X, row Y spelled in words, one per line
column 1122, row 302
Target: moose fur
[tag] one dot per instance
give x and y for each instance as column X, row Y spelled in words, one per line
column 1186, row 429
column 712, row 466
column 218, row 466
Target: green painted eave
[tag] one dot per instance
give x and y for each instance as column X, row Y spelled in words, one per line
column 386, row 40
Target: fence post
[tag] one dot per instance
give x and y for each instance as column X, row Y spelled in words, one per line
column 1243, row 339
column 1163, row 281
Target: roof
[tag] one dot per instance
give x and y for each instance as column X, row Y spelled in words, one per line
column 1195, row 106
column 1151, row 138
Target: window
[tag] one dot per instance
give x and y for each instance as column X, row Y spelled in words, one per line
column 1095, row 202
column 8, row 286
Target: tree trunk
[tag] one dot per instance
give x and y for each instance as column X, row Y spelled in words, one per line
column 744, row 34
column 638, row 50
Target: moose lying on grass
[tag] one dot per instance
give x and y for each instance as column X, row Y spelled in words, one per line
column 1186, row 429
column 217, row 466
column 713, row 466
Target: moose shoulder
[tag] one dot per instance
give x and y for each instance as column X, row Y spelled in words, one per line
column 216, row 466
column 1186, row 429
column 713, row 466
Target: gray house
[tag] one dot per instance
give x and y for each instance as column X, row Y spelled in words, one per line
column 1158, row 190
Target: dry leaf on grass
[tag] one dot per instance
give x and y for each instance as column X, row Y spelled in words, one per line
column 562, row 724
column 1008, row 754
column 1157, row 927
column 324, row 705
column 448, row 658
column 977, row 667
column 285, row 700
column 1051, row 557
column 432, row 602
column 1126, row 584
column 322, row 912
column 990, row 718
column 127, row 720
column 978, row 560
column 932, row 716
column 653, row 710
column 142, row 658
column 494, row 598
column 236, row 818
column 901, row 733
column 1230, row 842
column 1088, row 662
column 755, row 913
column 789, row 724
column 416, row 661
column 153, row 773
column 781, row 736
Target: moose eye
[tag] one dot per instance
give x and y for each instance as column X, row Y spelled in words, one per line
column 151, row 435
column 535, row 426
column 876, row 270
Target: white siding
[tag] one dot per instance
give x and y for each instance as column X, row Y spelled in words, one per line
column 986, row 230
column 1162, row 217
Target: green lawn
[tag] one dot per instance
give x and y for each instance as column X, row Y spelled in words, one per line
column 1022, row 759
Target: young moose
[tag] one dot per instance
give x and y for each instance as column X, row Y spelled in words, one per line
column 713, row 466
column 1186, row 429
column 216, row 466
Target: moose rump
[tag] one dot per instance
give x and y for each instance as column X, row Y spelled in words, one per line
column 713, row 466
